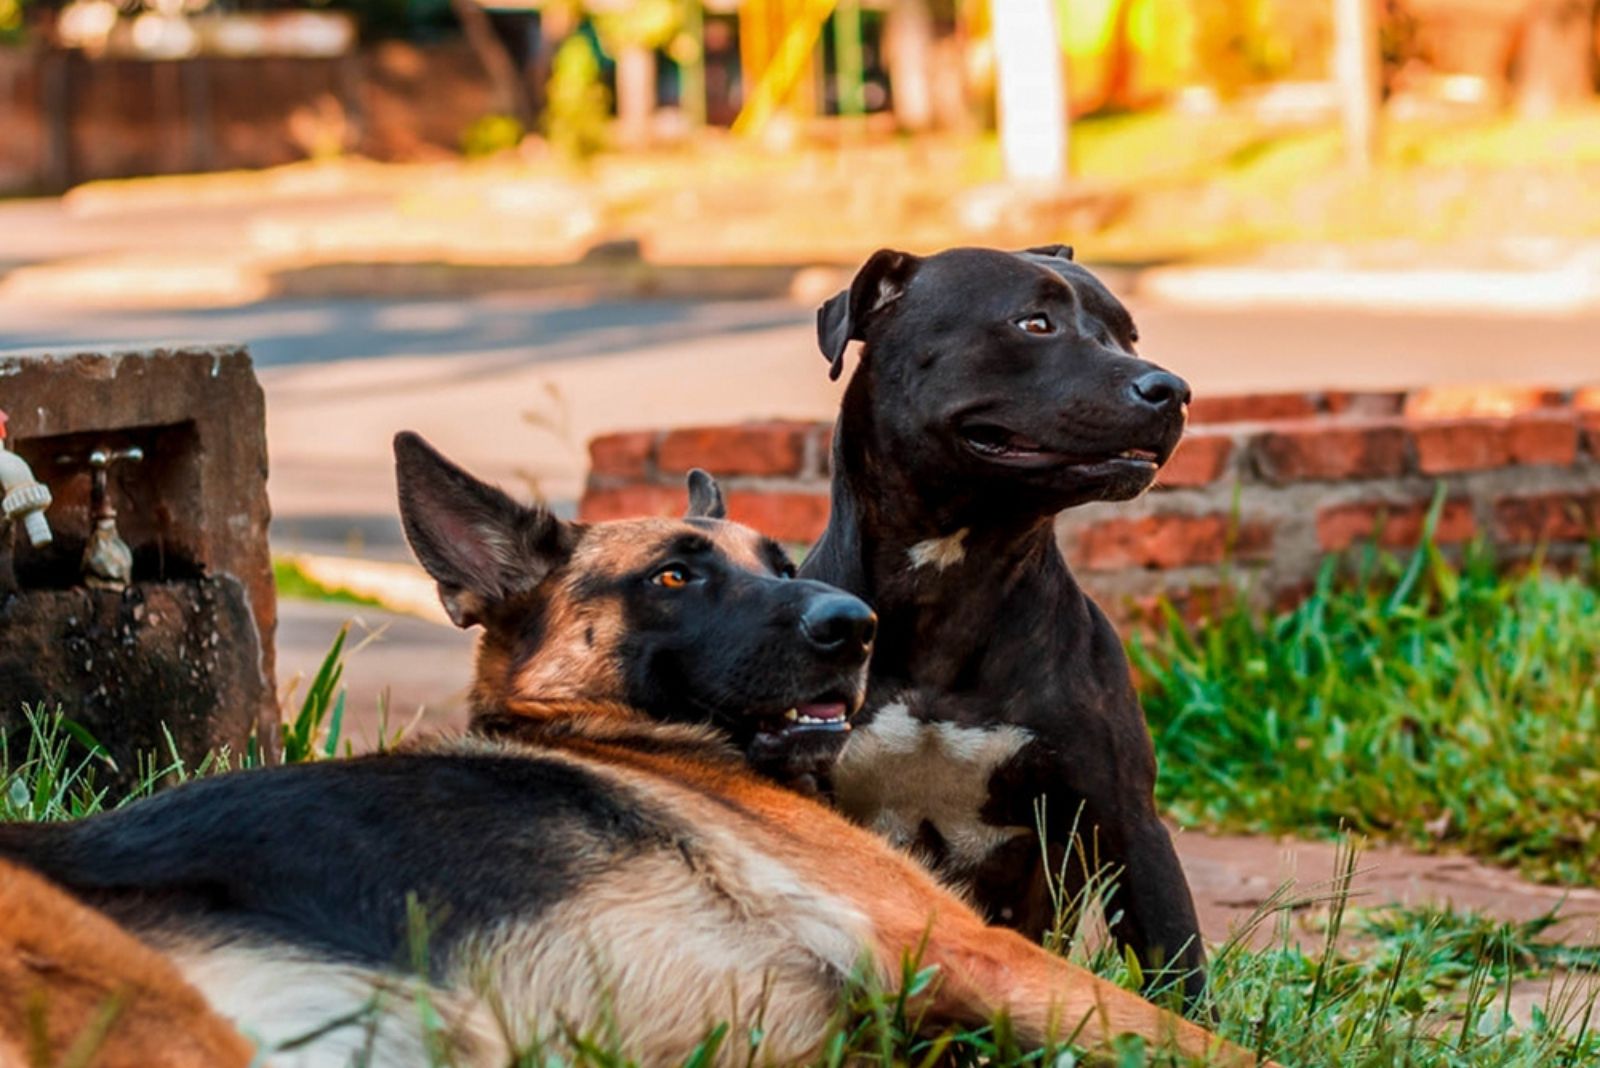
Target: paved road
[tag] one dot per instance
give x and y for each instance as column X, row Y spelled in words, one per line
column 515, row 329
column 515, row 384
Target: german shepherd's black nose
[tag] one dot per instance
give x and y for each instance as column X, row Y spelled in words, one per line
column 1161, row 390
column 838, row 623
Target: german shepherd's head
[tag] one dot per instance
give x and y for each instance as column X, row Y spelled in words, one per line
column 696, row 620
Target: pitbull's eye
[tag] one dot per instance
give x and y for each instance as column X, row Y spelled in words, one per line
column 1035, row 324
column 672, row 577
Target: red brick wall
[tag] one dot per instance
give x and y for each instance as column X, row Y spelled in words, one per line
column 130, row 117
column 1262, row 488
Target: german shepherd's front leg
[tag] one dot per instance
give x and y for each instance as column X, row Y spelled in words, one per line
column 991, row 970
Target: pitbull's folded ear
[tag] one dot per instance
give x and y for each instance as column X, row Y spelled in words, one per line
column 1060, row 252
column 705, row 497
column 843, row 318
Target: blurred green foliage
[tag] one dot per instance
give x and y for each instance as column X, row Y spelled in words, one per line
column 1246, row 42
column 641, row 24
column 12, row 28
column 490, row 135
column 578, row 105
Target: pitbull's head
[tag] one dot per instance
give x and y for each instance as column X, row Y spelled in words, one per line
column 1003, row 376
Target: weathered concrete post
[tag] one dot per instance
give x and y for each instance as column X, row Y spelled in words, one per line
column 187, row 647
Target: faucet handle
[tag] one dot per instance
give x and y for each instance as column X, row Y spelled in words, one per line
column 104, row 458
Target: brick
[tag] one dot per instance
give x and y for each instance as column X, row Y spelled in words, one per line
column 626, row 455
column 1478, row 401
column 1252, row 408
column 772, row 448
column 1547, row 517
column 1366, row 403
column 1194, row 605
column 1323, row 450
column 631, row 502
column 1461, row 445
column 1396, row 526
column 1169, row 541
column 1290, row 596
column 788, row 516
column 1200, row 460
column 822, row 442
column 1591, row 432
column 1543, row 438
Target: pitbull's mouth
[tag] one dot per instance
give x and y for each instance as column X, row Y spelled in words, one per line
column 997, row 443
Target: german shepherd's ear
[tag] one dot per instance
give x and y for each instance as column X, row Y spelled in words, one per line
column 481, row 546
column 1060, row 252
column 843, row 317
column 705, row 497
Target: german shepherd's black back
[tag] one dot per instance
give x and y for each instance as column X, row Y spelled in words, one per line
column 339, row 856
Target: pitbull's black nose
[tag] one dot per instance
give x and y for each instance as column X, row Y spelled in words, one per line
column 839, row 623
column 1161, row 389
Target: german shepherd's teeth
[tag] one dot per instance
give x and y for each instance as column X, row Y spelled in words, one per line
column 792, row 714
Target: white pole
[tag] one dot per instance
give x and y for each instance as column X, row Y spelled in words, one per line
column 1355, row 66
column 1032, row 93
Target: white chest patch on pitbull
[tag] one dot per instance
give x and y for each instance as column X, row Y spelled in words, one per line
column 898, row 772
column 939, row 553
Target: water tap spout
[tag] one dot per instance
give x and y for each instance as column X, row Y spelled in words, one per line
column 21, row 495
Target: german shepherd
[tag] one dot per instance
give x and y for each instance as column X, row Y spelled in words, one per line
column 77, row 989
column 609, row 864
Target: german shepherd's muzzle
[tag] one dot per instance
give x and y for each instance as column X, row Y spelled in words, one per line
column 609, row 868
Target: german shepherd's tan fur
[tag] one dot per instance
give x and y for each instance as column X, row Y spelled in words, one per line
column 599, row 853
column 71, row 981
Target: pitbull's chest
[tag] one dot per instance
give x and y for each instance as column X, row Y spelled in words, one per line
column 904, row 776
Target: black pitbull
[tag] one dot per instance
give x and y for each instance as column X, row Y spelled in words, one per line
column 994, row 390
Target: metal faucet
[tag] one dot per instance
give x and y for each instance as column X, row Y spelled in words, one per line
column 107, row 560
column 24, row 497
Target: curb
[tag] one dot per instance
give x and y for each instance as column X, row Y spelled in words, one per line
column 1563, row 290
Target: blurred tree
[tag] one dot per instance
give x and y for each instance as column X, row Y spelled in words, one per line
column 1402, row 46
column 1118, row 92
column 631, row 31
column 908, row 47
column 1237, row 44
column 510, row 94
column 1554, row 64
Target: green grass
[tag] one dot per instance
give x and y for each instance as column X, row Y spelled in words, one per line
column 293, row 582
column 1421, row 987
column 1396, row 695
column 1437, row 704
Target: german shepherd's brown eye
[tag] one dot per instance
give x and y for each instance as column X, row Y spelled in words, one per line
column 1036, row 324
column 672, row 577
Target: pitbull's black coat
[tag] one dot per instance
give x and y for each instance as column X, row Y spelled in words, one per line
column 994, row 390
